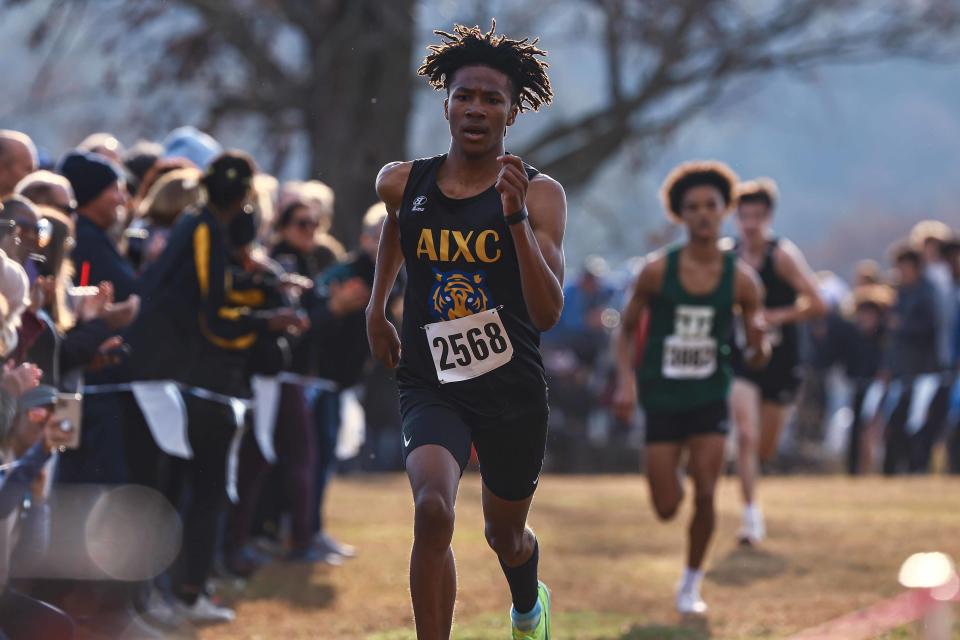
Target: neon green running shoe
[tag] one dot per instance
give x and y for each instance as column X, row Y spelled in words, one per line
column 542, row 630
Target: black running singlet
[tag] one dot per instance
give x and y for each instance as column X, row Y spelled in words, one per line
column 461, row 261
column 784, row 339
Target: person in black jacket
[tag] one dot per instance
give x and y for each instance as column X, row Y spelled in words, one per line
column 194, row 332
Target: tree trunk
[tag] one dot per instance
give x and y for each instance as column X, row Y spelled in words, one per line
column 359, row 108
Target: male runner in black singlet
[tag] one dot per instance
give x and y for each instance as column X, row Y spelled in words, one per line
column 761, row 399
column 481, row 234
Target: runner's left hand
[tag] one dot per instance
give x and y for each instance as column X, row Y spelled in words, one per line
column 512, row 183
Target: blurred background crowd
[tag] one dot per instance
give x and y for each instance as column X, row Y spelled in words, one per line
column 146, row 293
column 176, row 321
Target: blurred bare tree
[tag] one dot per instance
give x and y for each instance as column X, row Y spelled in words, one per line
column 337, row 75
column 668, row 60
column 330, row 75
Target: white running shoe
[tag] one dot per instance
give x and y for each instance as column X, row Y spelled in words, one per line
column 159, row 610
column 690, row 602
column 204, row 611
column 323, row 542
column 753, row 530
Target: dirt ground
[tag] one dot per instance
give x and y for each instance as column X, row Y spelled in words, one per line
column 835, row 545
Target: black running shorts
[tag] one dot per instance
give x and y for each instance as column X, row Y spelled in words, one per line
column 777, row 387
column 677, row 426
column 510, row 446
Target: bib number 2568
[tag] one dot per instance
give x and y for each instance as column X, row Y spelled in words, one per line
column 469, row 347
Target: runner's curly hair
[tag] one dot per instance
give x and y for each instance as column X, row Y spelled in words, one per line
column 695, row 174
column 518, row 59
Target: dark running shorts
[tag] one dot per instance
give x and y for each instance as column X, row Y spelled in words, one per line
column 510, row 447
column 677, row 426
column 776, row 386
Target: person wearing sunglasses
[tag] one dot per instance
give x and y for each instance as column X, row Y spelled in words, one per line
column 48, row 189
column 9, row 238
column 32, row 230
column 298, row 249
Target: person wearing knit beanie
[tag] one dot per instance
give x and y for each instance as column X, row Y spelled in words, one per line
column 90, row 174
column 101, row 194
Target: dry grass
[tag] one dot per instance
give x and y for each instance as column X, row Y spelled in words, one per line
column 835, row 545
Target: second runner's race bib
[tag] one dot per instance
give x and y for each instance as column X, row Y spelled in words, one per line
column 469, row 347
column 691, row 352
column 689, row 358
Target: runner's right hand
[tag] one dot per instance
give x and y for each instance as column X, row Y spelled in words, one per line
column 384, row 341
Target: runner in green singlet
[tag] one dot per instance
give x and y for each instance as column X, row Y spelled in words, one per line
column 690, row 292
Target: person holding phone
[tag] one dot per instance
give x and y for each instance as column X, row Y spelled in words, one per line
column 29, row 436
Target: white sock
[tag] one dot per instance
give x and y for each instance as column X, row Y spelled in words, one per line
column 751, row 512
column 691, row 579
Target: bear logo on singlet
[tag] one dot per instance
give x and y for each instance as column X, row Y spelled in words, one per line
column 458, row 294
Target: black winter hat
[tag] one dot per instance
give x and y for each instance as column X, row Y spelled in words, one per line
column 89, row 174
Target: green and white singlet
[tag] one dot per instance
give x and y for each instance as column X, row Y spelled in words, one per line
column 686, row 362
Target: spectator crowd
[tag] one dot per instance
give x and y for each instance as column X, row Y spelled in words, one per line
column 173, row 319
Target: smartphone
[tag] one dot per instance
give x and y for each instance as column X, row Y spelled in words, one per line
column 67, row 415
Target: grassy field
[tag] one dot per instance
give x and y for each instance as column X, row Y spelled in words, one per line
column 835, row 546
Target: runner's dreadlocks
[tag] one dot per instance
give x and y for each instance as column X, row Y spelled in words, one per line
column 518, row 59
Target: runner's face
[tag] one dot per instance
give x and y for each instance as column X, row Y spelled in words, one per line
column 702, row 210
column 479, row 108
column 753, row 218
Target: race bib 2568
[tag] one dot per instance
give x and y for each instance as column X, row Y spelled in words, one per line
column 469, row 347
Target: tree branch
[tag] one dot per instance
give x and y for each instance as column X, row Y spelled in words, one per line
column 237, row 31
column 695, row 47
